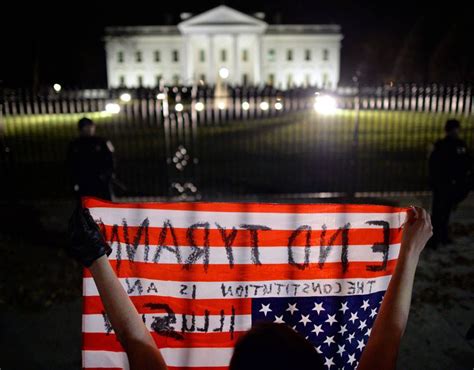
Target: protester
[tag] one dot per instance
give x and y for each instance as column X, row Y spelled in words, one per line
column 450, row 179
column 288, row 349
column 91, row 162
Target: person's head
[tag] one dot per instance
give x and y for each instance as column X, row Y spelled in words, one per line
column 86, row 127
column 452, row 127
column 274, row 346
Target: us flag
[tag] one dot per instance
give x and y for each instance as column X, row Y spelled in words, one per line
column 201, row 274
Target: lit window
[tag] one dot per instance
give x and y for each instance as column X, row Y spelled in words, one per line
column 271, row 55
column 245, row 55
column 120, row 57
column 202, row 55
column 121, row 80
column 140, row 80
column 176, row 79
column 158, row 80
column 175, row 56
column 203, row 78
column 307, row 55
column 138, row 56
column 157, row 56
column 325, row 54
column 289, row 55
column 271, row 79
column 223, row 55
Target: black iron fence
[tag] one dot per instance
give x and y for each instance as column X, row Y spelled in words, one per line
column 200, row 141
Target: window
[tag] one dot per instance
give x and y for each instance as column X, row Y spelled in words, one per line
column 245, row 79
column 325, row 80
column 176, row 79
column 120, row 57
column 325, row 54
column 138, row 56
column 271, row 55
column 223, row 55
column 271, row 79
column 157, row 56
column 121, row 80
column 289, row 55
column 307, row 55
column 289, row 80
column 202, row 55
column 140, row 80
column 245, row 55
column 307, row 79
column 203, row 78
column 175, row 56
column 158, row 79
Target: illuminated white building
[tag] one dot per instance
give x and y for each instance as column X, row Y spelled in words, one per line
column 224, row 39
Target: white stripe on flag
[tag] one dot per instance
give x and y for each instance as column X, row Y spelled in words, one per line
column 267, row 255
column 94, row 323
column 246, row 289
column 179, row 357
column 276, row 221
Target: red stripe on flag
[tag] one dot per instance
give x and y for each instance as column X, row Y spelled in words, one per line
column 109, row 342
column 90, row 202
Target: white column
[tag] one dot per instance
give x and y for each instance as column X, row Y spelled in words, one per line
column 211, row 73
column 236, row 68
column 257, row 74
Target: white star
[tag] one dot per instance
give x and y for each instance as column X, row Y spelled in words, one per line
column 317, row 329
column 329, row 340
column 265, row 309
column 292, row 308
column 318, row 307
column 354, row 317
column 351, row 336
column 343, row 329
column 331, row 319
column 352, row 358
column 381, row 300
column 373, row 313
column 360, row 344
column 362, row 324
column 279, row 320
column 344, row 307
column 365, row 305
column 294, row 328
column 369, row 331
column 329, row 362
column 304, row 320
column 341, row 349
column 318, row 349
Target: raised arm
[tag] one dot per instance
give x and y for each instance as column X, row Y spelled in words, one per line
column 381, row 351
column 90, row 249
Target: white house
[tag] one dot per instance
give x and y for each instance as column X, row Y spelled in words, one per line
column 224, row 43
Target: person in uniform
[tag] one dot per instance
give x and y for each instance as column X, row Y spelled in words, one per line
column 91, row 162
column 450, row 172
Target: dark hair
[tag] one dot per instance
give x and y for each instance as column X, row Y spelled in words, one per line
column 83, row 122
column 452, row 124
column 274, row 346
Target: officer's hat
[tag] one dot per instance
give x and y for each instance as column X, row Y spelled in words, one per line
column 83, row 122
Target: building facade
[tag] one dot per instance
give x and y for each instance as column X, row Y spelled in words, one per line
column 224, row 44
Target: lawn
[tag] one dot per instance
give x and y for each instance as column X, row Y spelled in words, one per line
column 291, row 152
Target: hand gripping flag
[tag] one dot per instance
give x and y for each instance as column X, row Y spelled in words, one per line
column 202, row 273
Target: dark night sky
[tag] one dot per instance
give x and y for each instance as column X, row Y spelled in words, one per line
column 404, row 40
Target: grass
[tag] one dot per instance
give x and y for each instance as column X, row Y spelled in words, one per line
column 299, row 152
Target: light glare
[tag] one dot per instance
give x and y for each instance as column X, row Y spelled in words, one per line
column 245, row 105
column 179, row 107
column 112, row 108
column 223, row 73
column 125, row 97
column 325, row 104
column 264, row 105
column 57, row 87
column 160, row 96
column 278, row 106
column 199, row 106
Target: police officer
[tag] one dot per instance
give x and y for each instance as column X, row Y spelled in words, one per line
column 91, row 162
column 450, row 179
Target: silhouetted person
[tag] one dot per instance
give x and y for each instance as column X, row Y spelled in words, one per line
column 91, row 162
column 450, row 177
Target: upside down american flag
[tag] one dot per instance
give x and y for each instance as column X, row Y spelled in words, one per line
column 201, row 274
